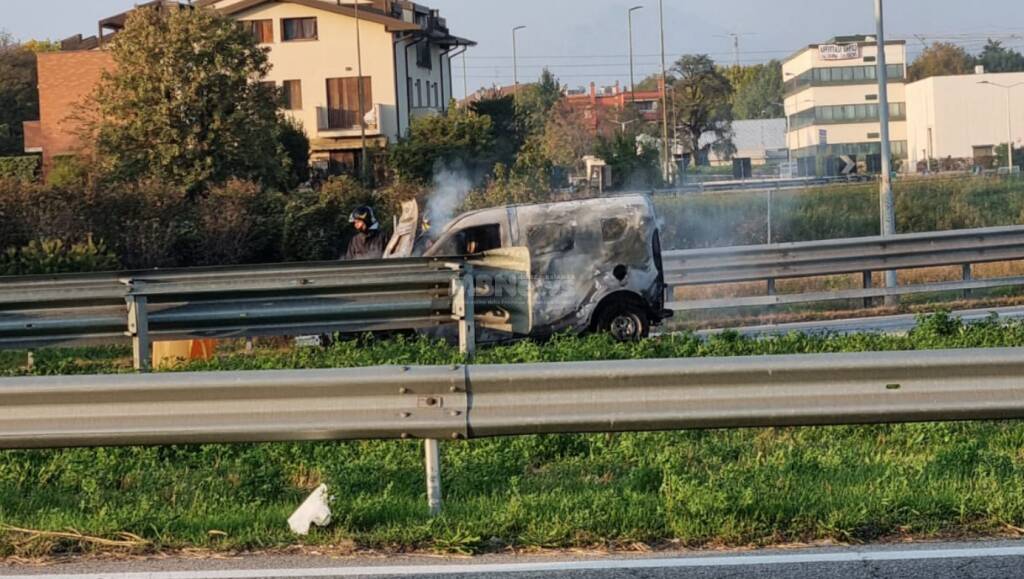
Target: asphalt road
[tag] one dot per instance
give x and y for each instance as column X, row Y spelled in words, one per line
column 925, row 561
column 885, row 324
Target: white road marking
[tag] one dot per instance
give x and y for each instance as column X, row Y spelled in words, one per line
column 604, row 565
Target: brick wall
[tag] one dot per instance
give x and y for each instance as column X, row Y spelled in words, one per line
column 66, row 80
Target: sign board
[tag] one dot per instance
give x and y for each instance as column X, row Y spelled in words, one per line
column 839, row 51
column 823, row 137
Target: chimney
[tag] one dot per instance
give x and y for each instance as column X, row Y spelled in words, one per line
column 593, row 91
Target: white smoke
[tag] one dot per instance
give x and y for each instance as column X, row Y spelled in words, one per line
column 452, row 185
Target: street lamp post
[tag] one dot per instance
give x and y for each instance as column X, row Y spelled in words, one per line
column 666, row 151
column 1009, row 117
column 887, row 203
column 515, row 64
column 363, row 160
column 632, row 80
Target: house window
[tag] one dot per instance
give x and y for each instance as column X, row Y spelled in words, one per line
column 423, row 53
column 343, row 111
column 293, row 95
column 298, row 29
column 261, row 30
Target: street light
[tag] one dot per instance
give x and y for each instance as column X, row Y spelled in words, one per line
column 515, row 63
column 887, row 202
column 632, row 81
column 666, row 151
column 1009, row 116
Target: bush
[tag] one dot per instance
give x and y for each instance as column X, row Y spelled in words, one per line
column 316, row 225
column 56, row 256
column 25, row 168
column 238, row 223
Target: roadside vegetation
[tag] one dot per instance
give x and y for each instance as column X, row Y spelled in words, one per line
column 626, row 491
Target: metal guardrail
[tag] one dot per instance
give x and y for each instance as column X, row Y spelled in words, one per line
column 484, row 401
column 229, row 302
column 844, row 256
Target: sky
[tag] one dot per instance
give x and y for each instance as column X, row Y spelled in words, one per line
column 586, row 40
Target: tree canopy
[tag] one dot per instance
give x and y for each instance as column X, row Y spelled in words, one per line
column 941, row 59
column 184, row 105
column 997, row 58
column 700, row 101
column 759, row 93
column 19, row 99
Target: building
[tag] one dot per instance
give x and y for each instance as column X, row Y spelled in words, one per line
column 831, row 100
column 964, row 118
column 762, row 141
column 601, row 108
column 406, row 52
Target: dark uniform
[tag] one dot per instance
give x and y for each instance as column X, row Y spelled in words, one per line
column 366, row 245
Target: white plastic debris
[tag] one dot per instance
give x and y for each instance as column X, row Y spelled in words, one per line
column 314, row 511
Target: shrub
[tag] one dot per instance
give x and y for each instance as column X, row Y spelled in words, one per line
column 24, row 168
column 238, row 223
column 48, row 256
column 316, row 225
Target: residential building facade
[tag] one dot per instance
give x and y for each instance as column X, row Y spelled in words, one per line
column 339, row 82
column 964, row 118
column 602, row 108
column 832, row 101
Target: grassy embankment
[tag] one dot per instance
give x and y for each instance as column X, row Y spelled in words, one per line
column 839, row 211
column 694, row 489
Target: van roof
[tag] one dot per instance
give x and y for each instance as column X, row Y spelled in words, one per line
column 626, row 198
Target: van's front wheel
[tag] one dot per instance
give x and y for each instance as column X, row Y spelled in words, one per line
column 625, row 322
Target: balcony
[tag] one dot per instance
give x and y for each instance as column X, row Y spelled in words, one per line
column 332, row 122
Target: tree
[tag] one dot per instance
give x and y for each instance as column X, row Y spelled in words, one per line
column 536, row 101
column 19, row 99
column 462, row 135
column 700, row 101
column 633, row 166
column 506, row 129
column 760, row 94
column 941, row 59
column 567, row 137
column 997, row 58
column 184, row 107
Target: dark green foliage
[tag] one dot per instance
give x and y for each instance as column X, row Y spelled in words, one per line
column 998, row 58
column 24, row 168
column 722, row 488
column 54, row 256
column 461, row 136
column 184, row 106
column 19, row 100
column 633, row 167
column 316, row 225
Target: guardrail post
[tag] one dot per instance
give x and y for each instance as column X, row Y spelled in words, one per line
column 432, row 457
column 138, row 330
column 968, row 275
column 867, row 282
column 771, row 287
column 463, row 309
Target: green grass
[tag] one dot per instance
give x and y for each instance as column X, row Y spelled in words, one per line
column 737, row 487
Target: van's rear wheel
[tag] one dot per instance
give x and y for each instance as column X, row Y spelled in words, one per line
column 625, row 322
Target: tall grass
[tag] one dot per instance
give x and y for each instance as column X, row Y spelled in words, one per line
column 739, row 487
column 838, row 211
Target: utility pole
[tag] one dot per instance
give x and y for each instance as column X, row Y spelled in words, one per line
column 465, row 81
column 515, row 65
column 363, row 162
column 1009, row 117
column 736, row 47
column 665, row 147
column 887, row 203
column 632, row 79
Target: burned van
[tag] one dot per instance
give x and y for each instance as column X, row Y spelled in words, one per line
column 589, row 265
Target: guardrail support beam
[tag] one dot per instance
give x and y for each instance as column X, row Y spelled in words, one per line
column 138, row 331
column 867, row 283
column 968, row 275
column 432, row 452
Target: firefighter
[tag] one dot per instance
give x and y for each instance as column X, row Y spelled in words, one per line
column 368, row 242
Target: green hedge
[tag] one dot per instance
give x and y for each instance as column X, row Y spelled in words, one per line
column 24, row 168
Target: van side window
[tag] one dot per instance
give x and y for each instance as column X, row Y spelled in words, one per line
column 473, row 241
column 613, row 229
column 551, row 238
